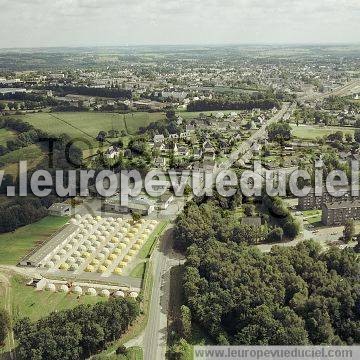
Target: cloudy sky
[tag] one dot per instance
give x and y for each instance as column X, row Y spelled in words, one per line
column 35, row 23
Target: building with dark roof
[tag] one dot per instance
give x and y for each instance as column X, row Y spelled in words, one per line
column 338, row 213
column 312, row 201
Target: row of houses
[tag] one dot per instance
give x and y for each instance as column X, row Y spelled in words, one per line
column 312, row 201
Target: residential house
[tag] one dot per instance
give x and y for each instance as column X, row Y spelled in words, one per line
column 197, row 152
column 209, row 165
column 190, row 128
column 159, row 138
column 183, row 151
column 112, row 152
column 160, row 162
column 174, row 136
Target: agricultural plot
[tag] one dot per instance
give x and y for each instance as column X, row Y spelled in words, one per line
column 6, row 135
column 15, row 245
column 309, row 132
column 87, row 125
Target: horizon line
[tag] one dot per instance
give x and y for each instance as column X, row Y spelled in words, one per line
column 265, row 44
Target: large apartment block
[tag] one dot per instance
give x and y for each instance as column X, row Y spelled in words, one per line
column 338, row 213
column 312, row 202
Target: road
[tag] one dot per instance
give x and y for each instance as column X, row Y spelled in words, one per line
column 155, row 336
column 258, row 135
column 350, row 88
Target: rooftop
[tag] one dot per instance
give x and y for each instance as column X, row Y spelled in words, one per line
column 343, row 205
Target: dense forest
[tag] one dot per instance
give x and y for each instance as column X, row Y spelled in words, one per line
column 295, row 295
column 242, row 296
column 75, row 334
column 244, row 102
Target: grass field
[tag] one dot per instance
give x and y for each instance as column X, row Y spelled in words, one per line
column 138, row 271
column 6, row 135
column 15, row 245
column 309, row 132
column 87, row 125
column 30, row 152
column 145, row 251
column 27, row 302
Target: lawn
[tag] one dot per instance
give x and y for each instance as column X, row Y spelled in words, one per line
column 310, row 132
column 10, row 161
column 27, row 302
column 309, row 213
column 6, row 135
column 146, row 250
column 87, row 125
column 138, row 271
column 15, row 245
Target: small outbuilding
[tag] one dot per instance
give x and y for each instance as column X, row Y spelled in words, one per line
column 119, row 294
column 91, row 292
column 51, row 287
column 78, row 290
column 59, row 209
column 105, row 293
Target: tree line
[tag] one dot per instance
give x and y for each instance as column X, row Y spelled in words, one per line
column 116, row 93
column 75, row 334
column 26, row 135
column 243, row 102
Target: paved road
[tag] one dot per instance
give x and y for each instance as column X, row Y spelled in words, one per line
column 154, row 341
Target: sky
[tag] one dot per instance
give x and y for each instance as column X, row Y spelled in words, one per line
column 55, row 23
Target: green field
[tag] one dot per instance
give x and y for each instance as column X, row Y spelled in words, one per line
column 88, row 124
column 6, row 135
column 309, row 132
column 30, row 152
column 146, row 250
column 138, row 271
column 15, row 245
column 27, row 302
